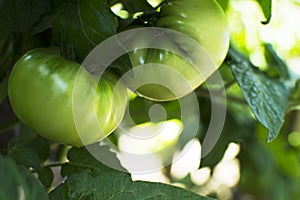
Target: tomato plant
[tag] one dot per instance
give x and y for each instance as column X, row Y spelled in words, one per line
column 62, row 135
column 44, row 102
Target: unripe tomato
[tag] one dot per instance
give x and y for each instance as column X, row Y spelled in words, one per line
column 202, row 20
column 41, row 88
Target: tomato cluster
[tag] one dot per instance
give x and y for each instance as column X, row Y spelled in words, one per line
column 42, row 82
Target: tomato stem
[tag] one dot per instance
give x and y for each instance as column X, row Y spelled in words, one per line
column 48, row 166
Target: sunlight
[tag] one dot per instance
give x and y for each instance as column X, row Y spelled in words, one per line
column 118, row 10
column 231, row 152
column 187, row 160
column 154, row 3
column 150, row 137
column 227, row 172
column 201, row 176
column 283, row 31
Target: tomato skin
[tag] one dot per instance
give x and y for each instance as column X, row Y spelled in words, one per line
column 41, row 86
column 202, row 20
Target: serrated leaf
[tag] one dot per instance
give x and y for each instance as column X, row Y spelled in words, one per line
column 24, row 154
column 80, row 159
column 266, row 6
column 20, row 15
column 45, row 175
column 83, row 24
column 3, row 89
column 276, row 62
column 17, row 183
column 117, row 186
column 267, row 98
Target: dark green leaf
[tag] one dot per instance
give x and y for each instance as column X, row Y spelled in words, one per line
column 20, row 15
column 117, row 186
column 24, row 154
column 266, row 6
column 274, row 61
column 43, row 24
column 267, row 98
column 42, row 147
column 6, row 52
column 3, row 89
column 17, row 183
column 82, row 25
column 121, row 65
column 25, row 150
column 80, row 159
column 45, row 176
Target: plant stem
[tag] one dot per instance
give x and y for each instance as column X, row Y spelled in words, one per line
column 53, row 165
column 206, row 94
column 229, row 84
column 48, row 166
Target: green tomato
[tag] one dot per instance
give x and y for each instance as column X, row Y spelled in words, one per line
column 41, row 88
column 205, row 22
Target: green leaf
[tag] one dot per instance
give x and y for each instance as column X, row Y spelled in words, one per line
column 267, row 98
column 121, row 65
column 17, row 183
column 274, row 61
column 117, row 186
column 6, row 58
column 24, row 154
column 29, row 149
column 266, row 6
column 45, row 176
column 20, row 15
column 83, row 24
column 3, row 89
column 42, row 147
column 43, row 24
column 80, row 159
